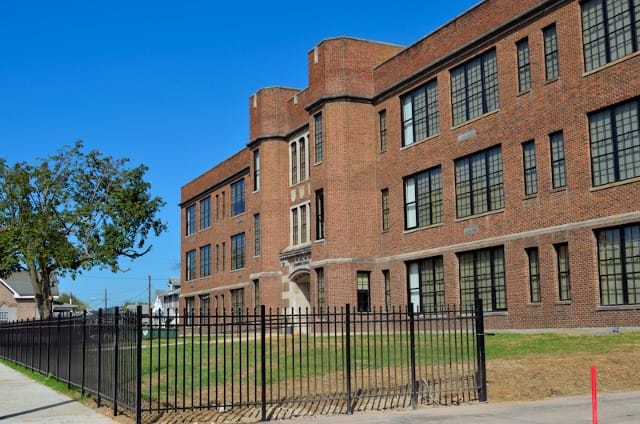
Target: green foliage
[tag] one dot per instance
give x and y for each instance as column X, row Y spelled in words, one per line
column 71, row 212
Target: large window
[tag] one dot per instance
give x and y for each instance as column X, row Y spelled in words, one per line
column 426, row 285
column 420, row 113
column 564, row 281
column 524, row 65
column 474, row 88
column 237, row 302
column 558, row 170
column 319, row 214
column 190, row 268
column 318, row 137
column 615, row 143
column 382, row 121
column 386, row 275
column 610, row 30
column 551, row 63
column 205, row 260
column 534, row 274
column 191, row 219
column 237, row 198
column 237, row 251
column 385, row 209
column 423, row 199
column 205, row 213
column 529, row 165
column 482, row 271
column 257, row 235
column 256, row 170
column 189, row 306
column 619, row 265
column 257, row 298
column 479, row 185
column 364, row 291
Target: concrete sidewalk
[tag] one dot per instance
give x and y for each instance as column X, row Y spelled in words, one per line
column 618, row 408
column 23, row 400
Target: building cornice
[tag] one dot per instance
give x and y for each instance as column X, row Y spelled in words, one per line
column 317, row 104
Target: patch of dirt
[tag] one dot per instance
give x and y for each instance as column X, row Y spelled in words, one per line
column 551, row 376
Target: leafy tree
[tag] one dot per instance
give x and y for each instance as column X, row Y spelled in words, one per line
column 71, row 212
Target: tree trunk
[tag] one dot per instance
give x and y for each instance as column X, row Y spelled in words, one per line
column 42, row 289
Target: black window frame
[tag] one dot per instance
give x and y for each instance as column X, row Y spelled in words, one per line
column 551, row 52
column 523, row 55
column 238, row 251
column 427, row 203
column 624, row 142
column 190, row 265
column 238, row 205
column 318, row 138
column 558, row 161
column 493, row 177
column 382, row 128
column 600, row 31
column 496, row 271
column 386, row 211
column 320, row 218
column 533, row 262
column 205, row 213
column 205, row 260
column 563, row 270
column 424, row 121
column 430, row 287
column 529, row 166
column 257, row 235
column 363, row 294
column 619, row 249
column 190, row 219
column 256, row 170
column 462, row 92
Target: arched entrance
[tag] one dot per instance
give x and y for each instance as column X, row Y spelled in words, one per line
column 299, row 290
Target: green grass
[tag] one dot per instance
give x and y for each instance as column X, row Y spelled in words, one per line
column 520, row 345
column 46, row 380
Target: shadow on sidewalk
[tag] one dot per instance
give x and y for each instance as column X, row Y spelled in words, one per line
column 30, row 411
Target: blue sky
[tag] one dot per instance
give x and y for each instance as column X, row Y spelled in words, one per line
column 166, row 84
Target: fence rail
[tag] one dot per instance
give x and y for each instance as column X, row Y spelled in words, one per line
column 265, row 364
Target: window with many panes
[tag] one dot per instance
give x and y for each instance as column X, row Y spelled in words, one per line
column 205, row 260
column 237, row 198
column 423, row 198
column 558, row 170
column 318, row 137
column 618, row 259
column 257, row 235
column 298, row 160
column 205, row 304
column 534, row 274
column 205, row 213
column 191, row 219
column 256, row 170
column 319, row 214
column 190, row 265
column 564, row 280
column 524, row 65
column 474, row 88
column 237, row 302
column 426, row 284
column 420, row 113
column 257, row 298
column 385, row 209
column 321, row 295
column 189, row 306
column 615, row 143
column 479, row 184
column 551, row 61
column 363, row 291
column 529, row 165
column 237, row 251
column 610, row 30
column 4, row 317
column 382, row 127
column 482, row 272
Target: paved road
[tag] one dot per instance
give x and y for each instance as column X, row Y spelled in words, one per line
column 22, row 400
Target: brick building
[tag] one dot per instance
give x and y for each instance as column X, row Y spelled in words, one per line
column 500, row 153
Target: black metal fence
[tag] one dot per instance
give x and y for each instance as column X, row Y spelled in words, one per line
column 262, row 364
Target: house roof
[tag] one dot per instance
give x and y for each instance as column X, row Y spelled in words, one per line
column 19, row 284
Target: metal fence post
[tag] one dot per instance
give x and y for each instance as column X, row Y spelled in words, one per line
column 412, row 354
column 116, row 316
column 99, row 357
column 482, row 367
column 70, row 348
column 139, row 364
column 348, row 356
column 84, row 351
column 263, row 361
